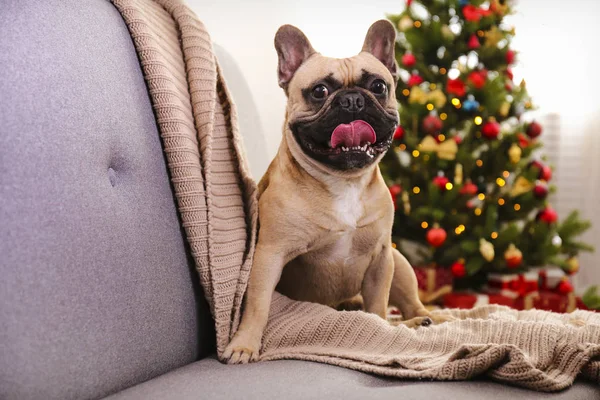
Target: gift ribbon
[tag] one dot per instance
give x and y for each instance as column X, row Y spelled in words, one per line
column 518, row 284
column 428, row 298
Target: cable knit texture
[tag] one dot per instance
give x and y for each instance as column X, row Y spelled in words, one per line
column 217, row 201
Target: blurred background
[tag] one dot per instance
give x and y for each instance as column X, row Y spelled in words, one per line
column 558, row 57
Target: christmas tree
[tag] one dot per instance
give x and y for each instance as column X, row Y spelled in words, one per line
column 469, row 186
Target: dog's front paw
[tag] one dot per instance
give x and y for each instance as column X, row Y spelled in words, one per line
column 417, row 322
column 441, row 318
column 242, row 349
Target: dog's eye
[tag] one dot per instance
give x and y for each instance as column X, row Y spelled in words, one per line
column 319, row 92
column 378, row 86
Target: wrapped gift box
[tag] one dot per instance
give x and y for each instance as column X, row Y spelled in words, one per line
column 472, row 299
column 542, row 300
column 552, row 301
column 434, row 282
column 550, row 278
column 513, row 285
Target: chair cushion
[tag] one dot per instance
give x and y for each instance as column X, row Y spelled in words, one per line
column 209, row 379
column 97, row 292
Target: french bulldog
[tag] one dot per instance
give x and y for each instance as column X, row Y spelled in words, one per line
column 325, row 212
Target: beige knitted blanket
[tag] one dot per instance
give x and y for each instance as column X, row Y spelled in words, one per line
column 217, row 201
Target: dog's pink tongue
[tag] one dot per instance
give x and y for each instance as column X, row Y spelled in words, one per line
column 353, row 134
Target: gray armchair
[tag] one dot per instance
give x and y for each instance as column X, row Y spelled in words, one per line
column 98, row 294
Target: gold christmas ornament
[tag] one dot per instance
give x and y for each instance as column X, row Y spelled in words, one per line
column 521, row 186
column 573, row 265
column 417, row 95
column 514, row 153
column 493, row 36
column 406, row 202
column 447, row 32
column 438, row 98
column 446, row 150
column 504, row 109
column 405, row 23
column 458, row 174
column 486, row 249
column 499, row 7
column 513, row 256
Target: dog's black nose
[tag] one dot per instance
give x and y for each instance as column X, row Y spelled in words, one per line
column 352, row 101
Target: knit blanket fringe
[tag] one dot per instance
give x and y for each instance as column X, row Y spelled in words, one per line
column 217, row 203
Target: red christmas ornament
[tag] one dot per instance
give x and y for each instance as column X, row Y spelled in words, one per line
column 540, row 191
column 408, row 3
column 537, row 164
column 485, row 13
column 458, row 139
column 523, row 140
column 564, row 287
column 547, row 215
column 471, row 13
column 478, row 78
column 395, row 190
column 432, row 124
column 409, row 60
column 534, row 130
column 491, row 129
column 513, row 257
column 510, row 57
column 415, row 80
column 545, row 173
column 456, row 87
column 440, row 181
column 509, row 86
column 458, row 269
column 399, row 133
column 469, row 189
column 470, row 204
column 436, row 236
column 509, row 73
column 474, row 42
column 513, row 262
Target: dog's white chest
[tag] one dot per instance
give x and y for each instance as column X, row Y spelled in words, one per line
column 348, row 209
column 347, row 206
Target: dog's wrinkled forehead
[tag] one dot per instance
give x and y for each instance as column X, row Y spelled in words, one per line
column 338, row 73
column 300, row 65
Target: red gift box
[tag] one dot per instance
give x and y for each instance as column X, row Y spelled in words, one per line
column 552, row 301
column 471, row 299
column 434, row 282
column 551, row 278
column 513, row 285
column 544, row 300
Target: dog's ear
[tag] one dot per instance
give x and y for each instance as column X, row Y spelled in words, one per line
column 380, row 42
column 293, row 48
